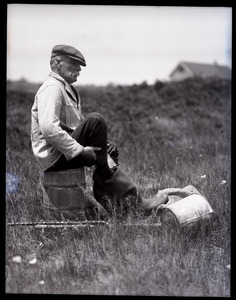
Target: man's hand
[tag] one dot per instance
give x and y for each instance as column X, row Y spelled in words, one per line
column 112, row 149
column 89, row 152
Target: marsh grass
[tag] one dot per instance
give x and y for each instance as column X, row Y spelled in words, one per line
column 179, row 135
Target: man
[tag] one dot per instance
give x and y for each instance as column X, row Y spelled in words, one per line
column 62, row 138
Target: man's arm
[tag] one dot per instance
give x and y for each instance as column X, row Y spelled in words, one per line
column 49, row 108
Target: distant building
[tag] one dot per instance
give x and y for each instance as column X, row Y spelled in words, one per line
column 186, row 69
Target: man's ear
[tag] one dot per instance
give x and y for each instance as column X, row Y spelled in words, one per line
column 58, row 63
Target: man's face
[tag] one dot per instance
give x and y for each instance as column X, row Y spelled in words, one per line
column 69, row 69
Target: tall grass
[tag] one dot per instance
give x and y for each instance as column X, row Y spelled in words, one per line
column 169, row 135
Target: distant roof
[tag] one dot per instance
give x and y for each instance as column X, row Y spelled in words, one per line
column 205, row 70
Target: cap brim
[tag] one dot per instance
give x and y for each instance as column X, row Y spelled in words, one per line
column 78, row 59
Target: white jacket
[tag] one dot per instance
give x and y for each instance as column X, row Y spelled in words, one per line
column 55, row 114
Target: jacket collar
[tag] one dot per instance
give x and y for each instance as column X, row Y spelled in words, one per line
column 66, row 85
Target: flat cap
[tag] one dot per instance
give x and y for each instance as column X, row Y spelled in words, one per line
column 70, row 52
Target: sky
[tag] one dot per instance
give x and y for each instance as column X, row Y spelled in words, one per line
column 121, row 44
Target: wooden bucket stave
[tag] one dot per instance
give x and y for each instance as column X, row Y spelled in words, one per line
column 64, row 190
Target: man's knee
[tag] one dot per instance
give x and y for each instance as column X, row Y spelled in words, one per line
column 96, row 120
column 96, row 116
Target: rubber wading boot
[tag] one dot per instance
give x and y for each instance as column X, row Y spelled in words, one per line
column 117, row 186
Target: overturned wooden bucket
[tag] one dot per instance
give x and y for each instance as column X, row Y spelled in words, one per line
column 186, row 211
column 64, row 190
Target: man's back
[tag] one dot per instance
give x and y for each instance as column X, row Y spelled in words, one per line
column 54, row 116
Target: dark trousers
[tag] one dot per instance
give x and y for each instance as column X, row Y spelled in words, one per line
column 91, row 132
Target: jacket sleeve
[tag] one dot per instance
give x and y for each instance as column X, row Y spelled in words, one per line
column 49, row 108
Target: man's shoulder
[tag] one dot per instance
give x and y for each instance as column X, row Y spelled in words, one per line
column 51, row 82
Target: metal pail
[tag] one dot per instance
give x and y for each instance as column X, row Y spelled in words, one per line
column 185, row 211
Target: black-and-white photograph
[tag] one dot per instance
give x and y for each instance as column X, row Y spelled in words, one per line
column 118, row 150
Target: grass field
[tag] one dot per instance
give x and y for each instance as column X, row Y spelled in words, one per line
column 170, row 134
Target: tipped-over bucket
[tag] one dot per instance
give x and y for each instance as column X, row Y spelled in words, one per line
column 185, row 211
